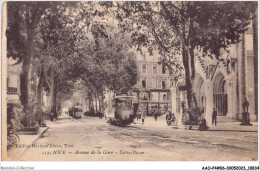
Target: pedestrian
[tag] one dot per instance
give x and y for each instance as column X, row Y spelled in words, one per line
column 156, row 113
column 55, row 115
column 143, row 116
column 52, row 115
column 170, row 118
column 214, row 116
column 245, row 105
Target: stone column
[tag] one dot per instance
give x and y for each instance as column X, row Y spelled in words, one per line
column 232, row 97
column 209, row 101
column 178, row 116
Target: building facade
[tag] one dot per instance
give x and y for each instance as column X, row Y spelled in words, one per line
column 224, row 84
column 13, row 82
column 153, row 87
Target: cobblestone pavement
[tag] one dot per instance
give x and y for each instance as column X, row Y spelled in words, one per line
column 92, row 139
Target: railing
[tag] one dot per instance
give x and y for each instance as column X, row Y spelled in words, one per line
column 11, row 90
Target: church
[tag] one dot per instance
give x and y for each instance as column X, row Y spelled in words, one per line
column 226, row 83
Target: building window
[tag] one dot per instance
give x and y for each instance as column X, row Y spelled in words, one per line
column 163, row 70
column 154, row 96
column 159, row 85
column 164, row 97
column 143, row 68
column 155, row 68
column 154, row 83
column 144, row 83
column 11, row 89
column 163, row 84
column 144, row 96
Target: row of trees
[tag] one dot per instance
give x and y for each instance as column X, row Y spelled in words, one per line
column 92, row 41
column 62, row 42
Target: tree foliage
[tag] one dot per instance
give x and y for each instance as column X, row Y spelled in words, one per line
column 180, row 28
column 69, row 41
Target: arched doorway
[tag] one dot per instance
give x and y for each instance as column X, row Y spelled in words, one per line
column 199, row 90
column 220, row 97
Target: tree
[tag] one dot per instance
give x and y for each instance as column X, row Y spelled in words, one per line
column 23, row 18
column 90, row 51
column 104, row 60
column 180, row 28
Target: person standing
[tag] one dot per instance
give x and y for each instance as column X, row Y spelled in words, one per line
column 143, row 115
column 52, row 115
column 214, row 116
column 156, row 111
column 136, row 110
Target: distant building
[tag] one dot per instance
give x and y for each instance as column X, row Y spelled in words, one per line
column 153, row 87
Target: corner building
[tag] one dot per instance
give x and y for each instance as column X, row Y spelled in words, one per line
column 153, row 87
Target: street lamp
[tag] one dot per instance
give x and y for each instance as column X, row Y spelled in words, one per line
column 31, row 81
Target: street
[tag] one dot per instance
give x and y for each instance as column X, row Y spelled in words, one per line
column 92, row 139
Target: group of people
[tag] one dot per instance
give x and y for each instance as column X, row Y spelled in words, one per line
column 140, row 113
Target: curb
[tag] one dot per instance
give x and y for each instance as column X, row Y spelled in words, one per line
column 27, row 148
column 40, row 135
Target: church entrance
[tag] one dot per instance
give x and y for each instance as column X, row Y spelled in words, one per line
column 220, row 97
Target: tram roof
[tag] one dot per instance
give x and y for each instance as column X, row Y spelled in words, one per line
column 78, row 106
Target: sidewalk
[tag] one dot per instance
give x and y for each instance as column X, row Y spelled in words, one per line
column 150, row 122
column 224, row 126
column 234, row 126
column 25, row 142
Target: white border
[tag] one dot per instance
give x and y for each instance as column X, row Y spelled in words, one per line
column 187, row 165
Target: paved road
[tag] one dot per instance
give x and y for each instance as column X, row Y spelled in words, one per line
column 91, row 139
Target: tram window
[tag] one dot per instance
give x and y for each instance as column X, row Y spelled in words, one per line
column 77, row 110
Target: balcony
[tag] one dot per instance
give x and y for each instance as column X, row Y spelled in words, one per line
column 11, row 90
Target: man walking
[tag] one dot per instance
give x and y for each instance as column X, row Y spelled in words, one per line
column 143, row 113
column 214, row 116
column 156, row 113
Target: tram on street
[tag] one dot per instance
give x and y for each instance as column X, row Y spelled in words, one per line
column 119, row 109
column 77, row 112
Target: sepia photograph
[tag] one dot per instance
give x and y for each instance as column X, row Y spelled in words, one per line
column 129, row 81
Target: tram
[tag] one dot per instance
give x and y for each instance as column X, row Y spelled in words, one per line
column 77, row 112
column 119, row 109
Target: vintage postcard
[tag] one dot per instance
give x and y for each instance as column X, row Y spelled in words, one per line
column 130, row 81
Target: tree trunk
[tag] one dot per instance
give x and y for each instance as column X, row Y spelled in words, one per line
column 26, row 69
column 40, row 85
column 24, row 77
column 96, row 97
column 193, row 72
column 51, row 104
column 91, row 104
column 102, row 103
column 55, row 87
column 186, row 65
